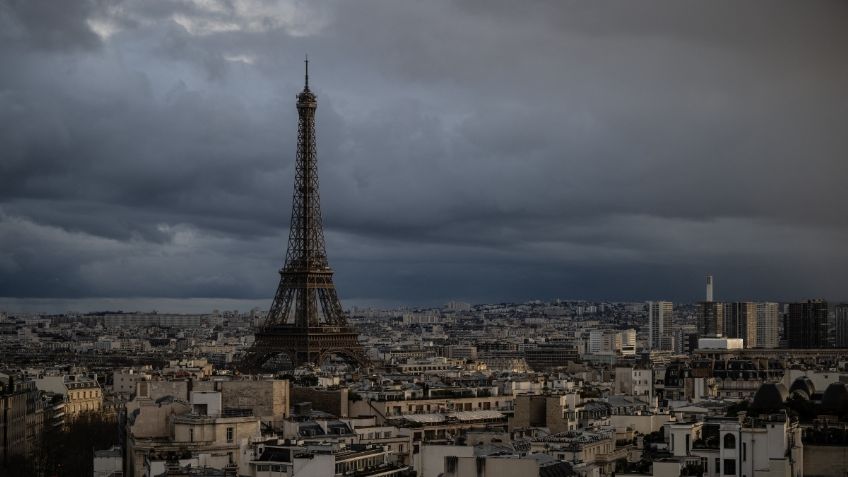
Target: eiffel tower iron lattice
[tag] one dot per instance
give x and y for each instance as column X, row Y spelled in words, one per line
column 306, row 322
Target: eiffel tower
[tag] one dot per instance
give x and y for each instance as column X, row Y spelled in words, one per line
column 306, row 323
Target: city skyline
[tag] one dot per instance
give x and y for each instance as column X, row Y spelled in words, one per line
column 570, row 239
column 148, row 152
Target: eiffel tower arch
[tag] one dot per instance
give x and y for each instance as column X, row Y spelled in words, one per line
column 306, row 323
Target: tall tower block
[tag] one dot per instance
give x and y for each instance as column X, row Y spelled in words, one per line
column 709, row 288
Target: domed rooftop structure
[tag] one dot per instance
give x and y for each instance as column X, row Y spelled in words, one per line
column 835, row 399
column 769, row 398
column 804, row 384
column 799, row 394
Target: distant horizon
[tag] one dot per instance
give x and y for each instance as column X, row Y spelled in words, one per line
column 198, row 305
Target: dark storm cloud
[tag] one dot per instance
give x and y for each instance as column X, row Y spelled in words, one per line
column 475, row 150
column 46, row 24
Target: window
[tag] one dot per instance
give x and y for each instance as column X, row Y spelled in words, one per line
column 729, row 441
column 229, row 434
column 744, row 451
column 687, row 443
column 191, row 434
column 729, row 466
column 717, row 466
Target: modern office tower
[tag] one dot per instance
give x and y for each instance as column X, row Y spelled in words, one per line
column 546, row 356
column 768, row 325
column 807, row 324
column 628, row 337
column 740, row 321
column 659, row 324
column 842, row 325
column 691, row 343
column 679, row 340
column 667, row 342
column 628, row 342
column 709, row 288
column 596, row 341
column 710, row 314
column 784, row 325
column 609, row 342
column 710, row 319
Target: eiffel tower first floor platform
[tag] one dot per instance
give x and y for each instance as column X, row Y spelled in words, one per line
column 304, row 345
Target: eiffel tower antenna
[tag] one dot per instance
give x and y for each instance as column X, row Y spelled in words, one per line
column 306, row 67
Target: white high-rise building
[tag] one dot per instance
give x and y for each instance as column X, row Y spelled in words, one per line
column 709, row 288
column 768, row 325
column 659, row 324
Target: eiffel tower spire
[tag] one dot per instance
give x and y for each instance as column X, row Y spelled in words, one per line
column 306, row 73
column 306, row 321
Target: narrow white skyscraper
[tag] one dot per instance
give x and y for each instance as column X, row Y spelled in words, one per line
column 709, row 288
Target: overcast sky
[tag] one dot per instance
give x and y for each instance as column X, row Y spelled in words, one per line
column 473, row 150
